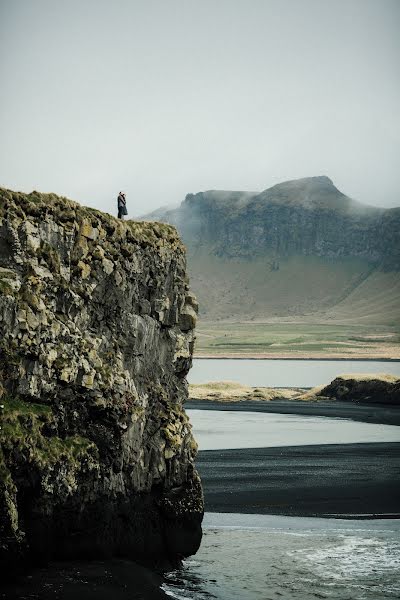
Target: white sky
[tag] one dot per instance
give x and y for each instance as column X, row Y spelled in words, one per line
column 165, row 97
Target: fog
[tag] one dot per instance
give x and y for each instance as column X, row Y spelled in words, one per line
column 164, row 98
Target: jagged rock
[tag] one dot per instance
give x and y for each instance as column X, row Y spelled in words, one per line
column 188, row 318
column 375, row 389
column 96, row 339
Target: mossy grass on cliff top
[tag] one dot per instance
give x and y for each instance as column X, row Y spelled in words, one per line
column 63, row 210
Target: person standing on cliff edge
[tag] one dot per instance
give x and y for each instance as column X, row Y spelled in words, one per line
column 122, row 210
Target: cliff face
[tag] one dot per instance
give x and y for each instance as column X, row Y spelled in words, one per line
column 297, row 248
column 96, row 338
column 302, row 217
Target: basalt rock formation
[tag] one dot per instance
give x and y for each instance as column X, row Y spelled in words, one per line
column 96, row 339
column 307, row 216
column 299, row 247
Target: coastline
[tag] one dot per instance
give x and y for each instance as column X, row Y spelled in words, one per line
column 269, row 356
column 366, row 413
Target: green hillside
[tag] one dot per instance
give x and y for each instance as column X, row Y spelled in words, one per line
column 298, row 254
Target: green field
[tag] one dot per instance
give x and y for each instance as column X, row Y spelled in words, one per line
column 280, row 339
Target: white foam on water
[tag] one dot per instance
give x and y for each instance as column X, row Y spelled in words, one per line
column 354, row 557
column 255, row 557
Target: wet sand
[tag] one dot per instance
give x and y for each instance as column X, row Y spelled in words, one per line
column 351, row 480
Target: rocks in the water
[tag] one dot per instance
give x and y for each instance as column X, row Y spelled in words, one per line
column 96, row 339
column 376, row 388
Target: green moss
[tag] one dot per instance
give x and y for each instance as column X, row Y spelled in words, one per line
column 105, row 371
column 5, row 475
column 62, row 209
column 14, row 407
column 6, row 288
column 22, row 429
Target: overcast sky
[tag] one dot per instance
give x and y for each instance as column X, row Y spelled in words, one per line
column 164, row 97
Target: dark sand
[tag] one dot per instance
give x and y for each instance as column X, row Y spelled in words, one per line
column 367, row 413
column 349, row 480
column 96, row 580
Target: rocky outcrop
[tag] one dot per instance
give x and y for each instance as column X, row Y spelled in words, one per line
column 96, row 339
column 309, row 217
column 248, row 249
column 374, row 389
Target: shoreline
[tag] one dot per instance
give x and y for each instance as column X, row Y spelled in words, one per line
column 267, row 356
column 366, row 413
column 331, row 481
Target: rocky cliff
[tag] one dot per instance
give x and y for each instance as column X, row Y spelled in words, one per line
column 305, row 216
column 298, row 247
column 96, row 339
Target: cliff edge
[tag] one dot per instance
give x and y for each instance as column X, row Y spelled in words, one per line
column 96, row 339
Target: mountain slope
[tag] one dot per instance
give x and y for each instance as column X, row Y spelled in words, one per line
column 299, row 247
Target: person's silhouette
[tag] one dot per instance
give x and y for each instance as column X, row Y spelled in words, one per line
column 122, row 210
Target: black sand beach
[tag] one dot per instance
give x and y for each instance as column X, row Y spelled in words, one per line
column 366, row 413
column 350, row 480
column 343, row 480
column 94, row 580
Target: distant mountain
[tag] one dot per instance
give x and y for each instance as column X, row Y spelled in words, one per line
column 298, row 247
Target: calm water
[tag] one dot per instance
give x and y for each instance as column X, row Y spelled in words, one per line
column 283, row 373
column 256, row 557
column 215, row 430
column 264, row 557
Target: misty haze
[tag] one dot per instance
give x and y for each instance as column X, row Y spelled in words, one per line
column 199, row 300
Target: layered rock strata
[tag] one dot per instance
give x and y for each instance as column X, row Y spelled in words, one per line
column 303, row 217
column 96, row 339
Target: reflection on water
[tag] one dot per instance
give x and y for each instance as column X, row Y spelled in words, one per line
column 255, row 557
column 283, row 373
column 215, row 430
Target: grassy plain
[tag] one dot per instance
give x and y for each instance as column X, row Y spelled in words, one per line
column 297, row 339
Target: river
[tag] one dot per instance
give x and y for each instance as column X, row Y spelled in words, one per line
column 270, row 556
column 217, row 430
column 283, row 373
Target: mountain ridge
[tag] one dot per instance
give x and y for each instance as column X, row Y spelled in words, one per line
column 296, row 248
column 308, row 216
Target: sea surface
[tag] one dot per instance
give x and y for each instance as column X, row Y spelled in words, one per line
column 266, row 557
column 262, row 557
column 283, row 373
